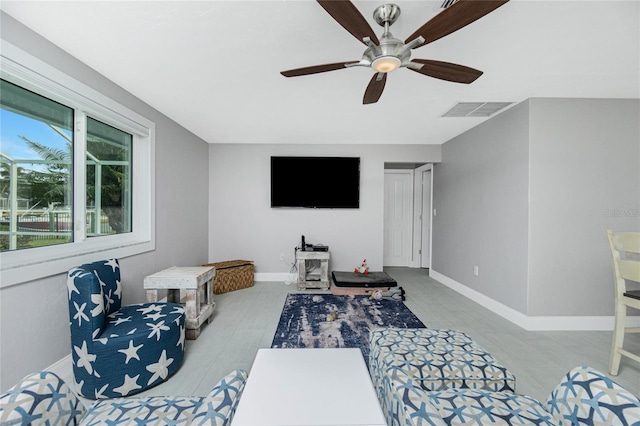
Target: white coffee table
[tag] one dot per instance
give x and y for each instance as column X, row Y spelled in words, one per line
column 289, row 387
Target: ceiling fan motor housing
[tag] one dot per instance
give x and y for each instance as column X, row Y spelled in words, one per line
column 389, row 46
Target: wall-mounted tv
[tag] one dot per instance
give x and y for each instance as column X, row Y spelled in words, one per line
column 315, row 182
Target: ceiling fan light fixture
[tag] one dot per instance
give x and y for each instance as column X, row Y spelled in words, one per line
column 386, row 64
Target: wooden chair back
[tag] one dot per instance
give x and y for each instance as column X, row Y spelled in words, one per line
column 625, row 252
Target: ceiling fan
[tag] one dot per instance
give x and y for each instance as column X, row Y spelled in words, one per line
column 389, row 53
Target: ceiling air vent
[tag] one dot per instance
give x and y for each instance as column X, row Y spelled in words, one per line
column 475, row 109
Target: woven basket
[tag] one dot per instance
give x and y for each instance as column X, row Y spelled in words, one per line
column 232, row 275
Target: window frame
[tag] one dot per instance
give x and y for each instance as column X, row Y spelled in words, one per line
column 29, row 72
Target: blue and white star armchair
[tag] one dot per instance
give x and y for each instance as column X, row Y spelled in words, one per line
column 119, row 350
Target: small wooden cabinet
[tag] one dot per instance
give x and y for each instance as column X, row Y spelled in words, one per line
column 197, row 282
column 318, row 278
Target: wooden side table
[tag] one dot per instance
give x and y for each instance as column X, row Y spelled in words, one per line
column 197, row 282
column 321, row 280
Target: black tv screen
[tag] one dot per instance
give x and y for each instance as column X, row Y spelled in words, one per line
column 315, row 182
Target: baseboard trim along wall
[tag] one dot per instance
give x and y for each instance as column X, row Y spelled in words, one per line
column 549, row 323
column 63, row 368
column 552, row 323
column 283, row 277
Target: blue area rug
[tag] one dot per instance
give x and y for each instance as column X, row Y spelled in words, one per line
column 305, row 321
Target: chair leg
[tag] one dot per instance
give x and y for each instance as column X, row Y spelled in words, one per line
column 618, row 338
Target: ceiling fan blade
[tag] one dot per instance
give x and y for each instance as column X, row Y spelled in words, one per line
column 456, row 16
column 447, row 71
column 347, row 15
column 375, row 88
column 315, row 69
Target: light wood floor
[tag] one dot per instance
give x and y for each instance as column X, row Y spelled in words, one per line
column 245, row 320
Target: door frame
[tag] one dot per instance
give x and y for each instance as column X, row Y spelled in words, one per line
column 419, row 216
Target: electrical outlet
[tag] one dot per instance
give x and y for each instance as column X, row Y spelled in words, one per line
column 476, row 270
column 281, row 256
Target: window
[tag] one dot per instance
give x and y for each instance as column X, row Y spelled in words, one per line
column 108, row 179
column 36, row 145
column 69, row 191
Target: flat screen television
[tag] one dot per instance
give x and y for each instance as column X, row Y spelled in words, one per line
column 315, row 182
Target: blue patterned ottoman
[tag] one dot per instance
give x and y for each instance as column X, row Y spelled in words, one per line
column 404, row 360
column 438, row 359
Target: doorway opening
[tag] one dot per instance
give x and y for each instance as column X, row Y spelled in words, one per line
column 407, row 215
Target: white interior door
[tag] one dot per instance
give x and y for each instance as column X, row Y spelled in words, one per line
column 398, row 205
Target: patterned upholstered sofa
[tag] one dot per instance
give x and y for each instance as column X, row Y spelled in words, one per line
column 441, row 377
column 45, row 399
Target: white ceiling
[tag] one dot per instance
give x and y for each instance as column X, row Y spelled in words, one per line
column 214, row 66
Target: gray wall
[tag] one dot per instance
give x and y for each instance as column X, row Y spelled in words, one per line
column 34, row 330
column 242, row 224
column 480, row 195
column 584, row 179
column 528, row 196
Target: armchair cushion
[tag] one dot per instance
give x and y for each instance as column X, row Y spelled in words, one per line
column 40, row 398
column 472, row 407
column 587, row 396
column 45, row 399
column 217, row 408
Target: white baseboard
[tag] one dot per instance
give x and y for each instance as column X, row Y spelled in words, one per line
column 63, row 368
column 284, row 277
column 549, row 323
